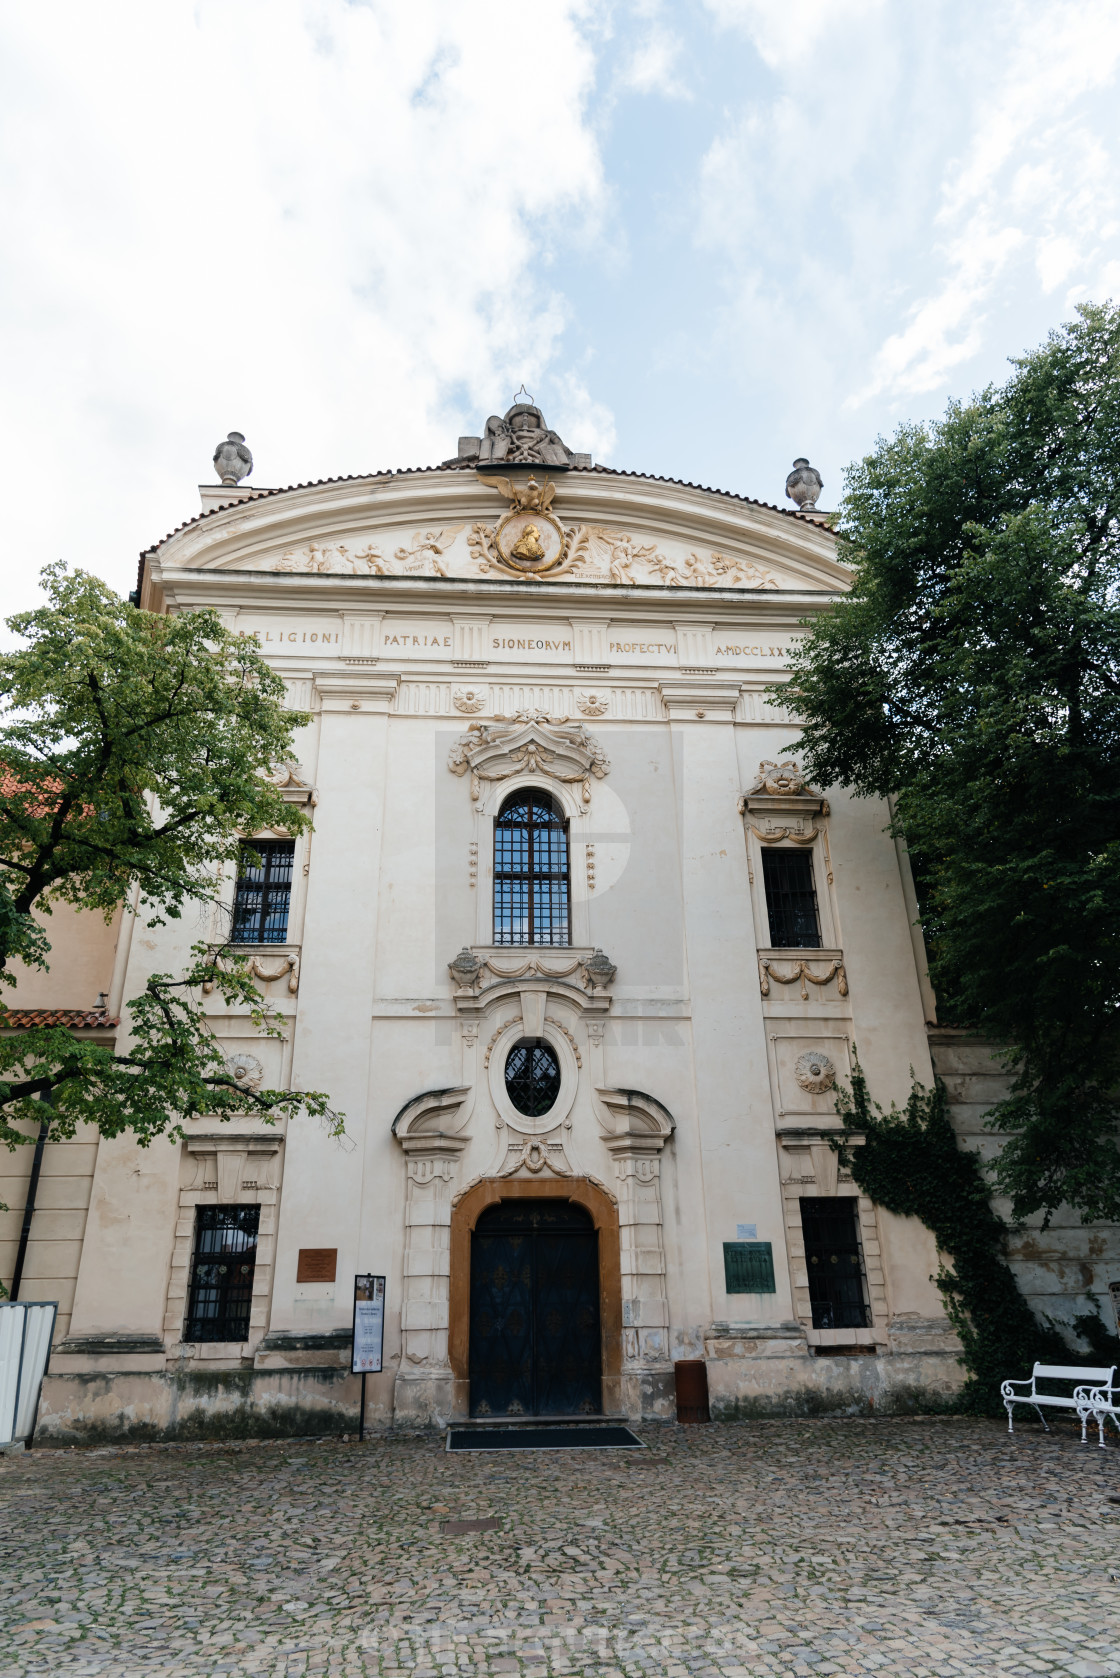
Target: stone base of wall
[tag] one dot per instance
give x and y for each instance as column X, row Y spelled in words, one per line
column 154, row 1406
column 424, row 1398
column 803, row 1384
column 151, row 1406
column 649, row 1395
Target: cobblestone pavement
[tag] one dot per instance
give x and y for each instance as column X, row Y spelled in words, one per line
column 774, row 1547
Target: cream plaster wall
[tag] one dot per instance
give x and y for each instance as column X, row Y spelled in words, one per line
column 397, row 879
column 83, row 950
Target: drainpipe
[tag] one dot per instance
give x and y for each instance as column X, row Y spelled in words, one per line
column 29, row 1207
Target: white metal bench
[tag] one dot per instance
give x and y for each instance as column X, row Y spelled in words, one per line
column 1087, row 1383
column 1103, row 1401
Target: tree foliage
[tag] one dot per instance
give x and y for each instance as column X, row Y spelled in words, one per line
column 908, row 1161
column 134, row 748
column 974, row 674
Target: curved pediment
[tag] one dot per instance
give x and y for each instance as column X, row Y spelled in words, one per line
column 529, row 744
column 590, row 527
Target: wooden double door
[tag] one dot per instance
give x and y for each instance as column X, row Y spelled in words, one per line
column 535, row 1345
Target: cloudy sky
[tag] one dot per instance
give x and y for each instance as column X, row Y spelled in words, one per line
column 707, row 235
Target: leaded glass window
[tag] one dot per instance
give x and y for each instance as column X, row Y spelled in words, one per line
column 791, row 901
column 531, row 885
column 264, row 890
column 225, row 1258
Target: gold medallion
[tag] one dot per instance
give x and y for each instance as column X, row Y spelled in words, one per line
column 529, row 541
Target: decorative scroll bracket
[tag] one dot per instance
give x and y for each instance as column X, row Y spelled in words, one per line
column 431, row 1124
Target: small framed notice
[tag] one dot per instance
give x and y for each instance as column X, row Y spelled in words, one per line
column 316, row 1264
column 369, row 1324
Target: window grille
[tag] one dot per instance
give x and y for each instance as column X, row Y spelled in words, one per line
column 532, row 1077
column 791, row 901
column 225, row 1257
column 264, row 890
column 837, row 1291
column 531, row 885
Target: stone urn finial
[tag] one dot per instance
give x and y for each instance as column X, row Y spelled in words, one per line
column 804, row 485
column 600, row 969
column 232, row 459
column 465, row 968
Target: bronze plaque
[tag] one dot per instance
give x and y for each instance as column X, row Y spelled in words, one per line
column 317, row 1264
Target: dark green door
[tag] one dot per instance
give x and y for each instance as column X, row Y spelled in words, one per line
column 535, row 1347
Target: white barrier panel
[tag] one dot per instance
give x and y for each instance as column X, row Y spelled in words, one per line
column 26, row 1331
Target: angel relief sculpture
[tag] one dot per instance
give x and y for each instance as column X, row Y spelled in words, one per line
column 324, row 558
column 424, row 553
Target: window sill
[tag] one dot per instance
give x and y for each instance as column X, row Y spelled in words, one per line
column 582, row 951
column 285, row 949
column 798, row 952
column 829, row 1337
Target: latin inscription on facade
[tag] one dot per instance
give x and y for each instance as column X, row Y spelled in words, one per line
column 546, row 643
column 328, row 638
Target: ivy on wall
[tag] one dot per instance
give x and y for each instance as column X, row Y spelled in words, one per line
column 910, row 1163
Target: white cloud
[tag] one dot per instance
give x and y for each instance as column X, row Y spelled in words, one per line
column 898, row 194
column 1033, row 175
column 653, row 65
column 788, row 34
column 321, row 223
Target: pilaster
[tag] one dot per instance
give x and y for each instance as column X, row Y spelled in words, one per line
column 636, row 1128
column 323, row 1188
column 732, row 1140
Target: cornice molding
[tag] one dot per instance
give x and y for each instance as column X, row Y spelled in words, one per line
column 700, row 701
column 356, row 690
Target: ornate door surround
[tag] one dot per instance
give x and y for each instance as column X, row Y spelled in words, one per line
column 604, row 1217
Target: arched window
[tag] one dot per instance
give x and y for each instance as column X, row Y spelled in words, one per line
column 531, row 896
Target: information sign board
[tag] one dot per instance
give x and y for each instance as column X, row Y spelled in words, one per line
column 748, row 1267
column 369, row 1324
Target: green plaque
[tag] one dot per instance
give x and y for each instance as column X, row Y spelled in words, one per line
column 748, row 1267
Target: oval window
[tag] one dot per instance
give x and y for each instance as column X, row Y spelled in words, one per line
column 532, row 1077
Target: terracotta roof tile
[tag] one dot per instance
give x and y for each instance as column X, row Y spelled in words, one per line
column 76, row 1019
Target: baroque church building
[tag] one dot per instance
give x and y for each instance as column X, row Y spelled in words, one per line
column 572, row 945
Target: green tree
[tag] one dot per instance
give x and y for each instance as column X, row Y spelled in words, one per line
column 973, row 674
column 134, row 748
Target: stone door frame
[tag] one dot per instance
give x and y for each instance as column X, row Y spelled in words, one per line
column 604, row 1216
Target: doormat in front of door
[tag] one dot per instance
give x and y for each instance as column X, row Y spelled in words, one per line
column 542, row 1439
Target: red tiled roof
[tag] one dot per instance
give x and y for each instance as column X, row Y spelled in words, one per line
column 76, row 1019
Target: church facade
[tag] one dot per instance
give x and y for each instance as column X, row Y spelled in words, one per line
column 573, row 947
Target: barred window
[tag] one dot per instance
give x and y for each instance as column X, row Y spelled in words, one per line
column 533, row 1077
column 834, row 1261
column 791, row 901
column 264, row 890
column 531, row 886
column 225, row 1258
